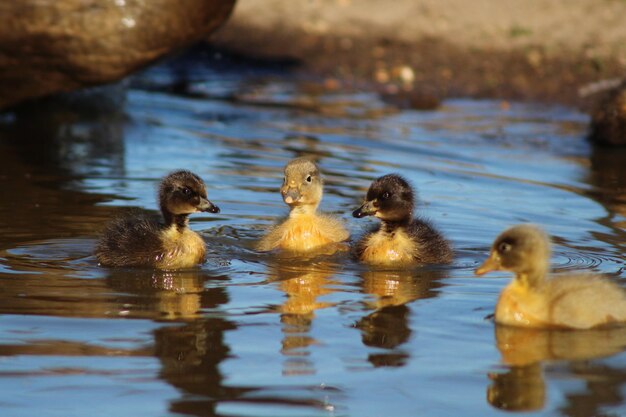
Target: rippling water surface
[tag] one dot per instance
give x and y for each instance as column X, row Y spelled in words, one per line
column 250, row 335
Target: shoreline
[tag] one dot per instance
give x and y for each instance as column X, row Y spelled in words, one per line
column 509, row 50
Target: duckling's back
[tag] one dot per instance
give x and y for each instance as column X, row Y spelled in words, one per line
column 585, row 301
column 130, row 241
column 431, row 246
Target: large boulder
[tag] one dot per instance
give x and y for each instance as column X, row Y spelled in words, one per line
column 49, row 46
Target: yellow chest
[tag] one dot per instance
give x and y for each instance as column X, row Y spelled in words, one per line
column 385, row 249
column 302, row 233
column 181, row 249
column 519, row 306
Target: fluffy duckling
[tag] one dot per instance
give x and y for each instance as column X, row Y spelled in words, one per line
column 166, row 243
column 533, row 299
column 304, row 230
column 400, row 239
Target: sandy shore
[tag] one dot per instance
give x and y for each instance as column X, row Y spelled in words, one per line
column 544, row 50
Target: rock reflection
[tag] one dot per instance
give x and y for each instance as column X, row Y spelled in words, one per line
column 388, row 327
column 608, row 176
column 303, row 284
column 44, row 148
column 522, row 387
column 72, row 133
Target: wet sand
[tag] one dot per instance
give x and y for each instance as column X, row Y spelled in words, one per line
column 541, row 50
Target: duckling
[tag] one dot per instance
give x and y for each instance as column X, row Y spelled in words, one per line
column 400, row 239
column 532, row 299
column 165, row 243
column 304, row 230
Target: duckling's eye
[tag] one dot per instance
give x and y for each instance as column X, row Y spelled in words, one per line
column 385, row 195
column 504, row 247
column 309, row 178
column 186, row 191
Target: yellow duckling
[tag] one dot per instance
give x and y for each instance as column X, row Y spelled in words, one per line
column 400, row 239
column 304, row 230
column 148, row 241
column 533, row 299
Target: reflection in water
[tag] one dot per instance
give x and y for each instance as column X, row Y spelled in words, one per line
column 190, row 353
column 45, row 148
column 172, row 295
column 202, row 341
column 56, row 278
column 604, row 386
column 303, row 284
column 76, row 135
column 608, row 176
column 523, row 388
column 387, row 327
column 190, row 357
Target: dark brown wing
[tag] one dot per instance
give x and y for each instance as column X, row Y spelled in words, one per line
column 131, row 241
column 433, row 248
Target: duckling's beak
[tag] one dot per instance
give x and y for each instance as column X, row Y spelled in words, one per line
column 367, row 209
column 492, row 263
column 206, row 205
column 291, row 196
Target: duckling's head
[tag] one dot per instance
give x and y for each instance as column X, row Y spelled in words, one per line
column 523, row 249
column 302, row 185
column 390, row 198
column 182, row 193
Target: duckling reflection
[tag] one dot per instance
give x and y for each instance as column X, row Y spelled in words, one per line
column 387, row 327
column 303, row 285
column 178, row 294
column 167, row 295
column 524, row 350
column 521, row 388
column 191, row 351
column 190, row 361
column 191, row 355
column 304, row 230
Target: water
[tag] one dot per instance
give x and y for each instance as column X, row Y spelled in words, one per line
column 250, row 335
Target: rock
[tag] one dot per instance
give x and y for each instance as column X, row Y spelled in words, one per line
column 412, row 100
column 49, row 46
column 608, row 119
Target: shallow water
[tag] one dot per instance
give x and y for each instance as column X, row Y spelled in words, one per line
column 250, row 335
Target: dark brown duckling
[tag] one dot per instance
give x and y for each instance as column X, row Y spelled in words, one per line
column 400, row 239
column 167, row 243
